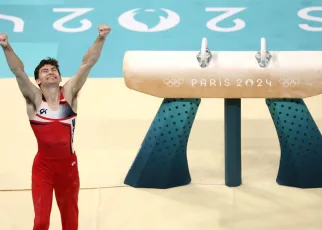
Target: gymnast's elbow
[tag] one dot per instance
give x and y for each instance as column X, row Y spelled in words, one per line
column 18, row 72
column 85, row 66
column 91, row 61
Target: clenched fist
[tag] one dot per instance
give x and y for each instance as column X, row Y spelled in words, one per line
column 3, row 40
column 104, row 30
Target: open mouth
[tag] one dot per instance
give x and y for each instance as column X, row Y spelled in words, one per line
column 51, row 77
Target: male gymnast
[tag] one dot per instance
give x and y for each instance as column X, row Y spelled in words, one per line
column 52, row 112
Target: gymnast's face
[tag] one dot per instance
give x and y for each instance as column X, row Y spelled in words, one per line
column 48, row 74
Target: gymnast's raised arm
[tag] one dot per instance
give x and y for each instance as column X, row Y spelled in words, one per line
column 27, row 88
column 74, row 85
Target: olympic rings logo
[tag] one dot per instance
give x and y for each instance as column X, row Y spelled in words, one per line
column 173, row 82
column 288, row 83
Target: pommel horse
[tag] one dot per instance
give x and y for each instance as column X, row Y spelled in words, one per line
column 182, row 78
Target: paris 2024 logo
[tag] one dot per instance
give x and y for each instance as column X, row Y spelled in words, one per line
column 158, row 20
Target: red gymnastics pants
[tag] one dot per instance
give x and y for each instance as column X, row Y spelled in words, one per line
column 61, row 176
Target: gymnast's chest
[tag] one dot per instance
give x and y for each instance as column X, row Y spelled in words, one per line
column 62, row 111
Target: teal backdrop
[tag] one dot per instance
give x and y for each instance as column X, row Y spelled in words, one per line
column 65, row 29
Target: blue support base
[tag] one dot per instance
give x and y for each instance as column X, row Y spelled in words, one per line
column 300, row 141
column 162, row 159
column 233, row 142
